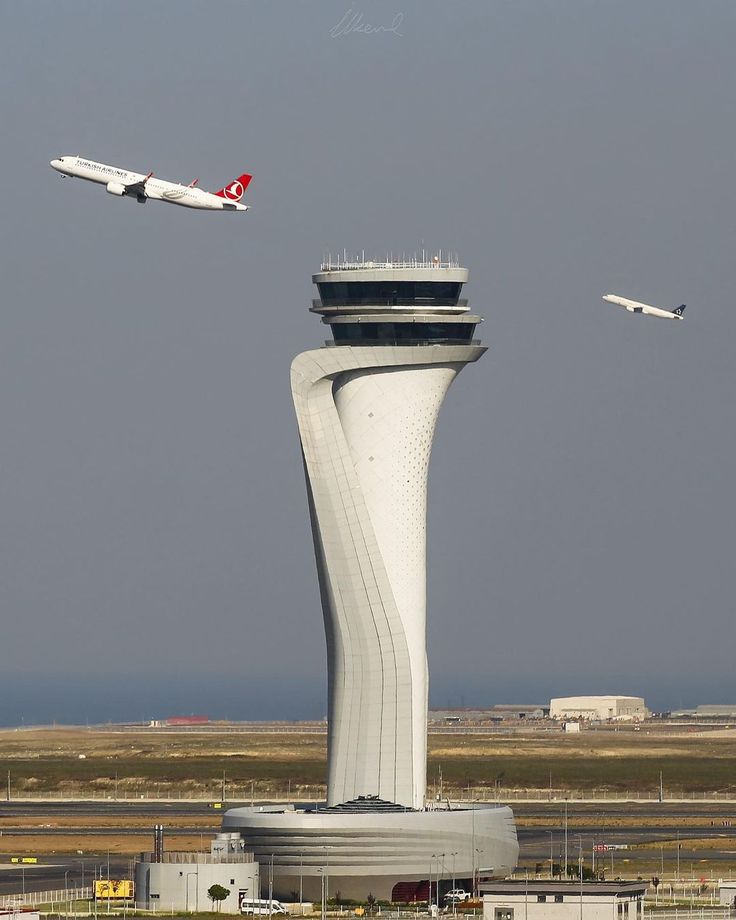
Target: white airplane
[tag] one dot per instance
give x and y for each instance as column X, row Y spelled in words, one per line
column 121, row 182
column 633, row 306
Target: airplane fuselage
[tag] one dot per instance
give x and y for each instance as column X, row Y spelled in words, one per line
column 118, row 182
column 633, row 306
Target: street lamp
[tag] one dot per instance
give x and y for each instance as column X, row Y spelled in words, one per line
column 270, row 888
column 437, row 856
column 454, row 901
column 477, row 851
column 321, row 871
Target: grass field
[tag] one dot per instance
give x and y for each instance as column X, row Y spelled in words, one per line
column 188, row 763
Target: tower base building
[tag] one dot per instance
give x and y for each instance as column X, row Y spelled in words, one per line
column 367, row 404
column 372, row 847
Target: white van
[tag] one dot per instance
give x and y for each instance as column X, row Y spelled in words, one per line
column 260, row 906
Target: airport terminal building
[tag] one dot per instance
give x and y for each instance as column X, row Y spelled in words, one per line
column 367, row 404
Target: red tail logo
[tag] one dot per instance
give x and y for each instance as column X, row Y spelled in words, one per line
column 235, row 190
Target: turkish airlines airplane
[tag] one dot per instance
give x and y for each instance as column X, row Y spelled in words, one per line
column 121, row 182
column 633, row 306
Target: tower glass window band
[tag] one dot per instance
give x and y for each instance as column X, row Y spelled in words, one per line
column 402, row 333
column 390, row 293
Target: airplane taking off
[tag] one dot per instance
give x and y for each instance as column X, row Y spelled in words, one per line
column 136, row 185
column 633, row 306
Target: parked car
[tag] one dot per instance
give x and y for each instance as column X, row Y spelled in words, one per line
column 456, row 895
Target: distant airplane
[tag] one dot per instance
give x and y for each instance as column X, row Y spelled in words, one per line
column 633, row 306
column 121, row 182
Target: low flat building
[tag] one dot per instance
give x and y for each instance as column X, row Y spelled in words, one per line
column 552, row 900
column 599, row 708
column 727, row 894
column 180, row 881
column 707, row 711
column 498, row 713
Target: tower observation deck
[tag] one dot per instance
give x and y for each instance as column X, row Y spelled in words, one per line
column 367, row 406
column 395, row 303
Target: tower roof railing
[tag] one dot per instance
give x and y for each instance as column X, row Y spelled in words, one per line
column 346, row 262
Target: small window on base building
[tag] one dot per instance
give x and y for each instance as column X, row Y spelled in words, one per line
column 504, row 913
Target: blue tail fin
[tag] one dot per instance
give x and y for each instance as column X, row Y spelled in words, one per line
column 680, row 310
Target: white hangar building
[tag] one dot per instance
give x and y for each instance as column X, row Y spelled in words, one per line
column 599, row 708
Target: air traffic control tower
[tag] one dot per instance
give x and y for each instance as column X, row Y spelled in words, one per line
column 366, row 405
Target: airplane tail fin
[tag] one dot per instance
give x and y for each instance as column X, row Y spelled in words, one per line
column 680, row 310
column 235, row 190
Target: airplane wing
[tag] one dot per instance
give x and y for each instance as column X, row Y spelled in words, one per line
column 138, row 188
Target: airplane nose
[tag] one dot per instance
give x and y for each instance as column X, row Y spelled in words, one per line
column 56, row 164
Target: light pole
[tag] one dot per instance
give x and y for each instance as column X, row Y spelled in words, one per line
column 270, row 888
column 301, row 878
column 440, row 857
column 454, row 902
column 551, row 856
column 108, row 882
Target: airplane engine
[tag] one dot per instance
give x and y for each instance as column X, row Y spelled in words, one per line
column 628, row 309
column 115, row 188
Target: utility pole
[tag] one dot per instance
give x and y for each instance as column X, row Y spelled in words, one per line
column 8, row 785
column 565, row 868
column 222, row 797
column 661, row 788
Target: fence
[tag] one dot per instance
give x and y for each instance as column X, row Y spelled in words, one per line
column 686, row 913
column 246, row 795
column 34, row 898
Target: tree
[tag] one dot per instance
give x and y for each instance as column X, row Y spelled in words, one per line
column 217, row 893
column 370, row 903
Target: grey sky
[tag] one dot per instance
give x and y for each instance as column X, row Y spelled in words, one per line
column 155, row 552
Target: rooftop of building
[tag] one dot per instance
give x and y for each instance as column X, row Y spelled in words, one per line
column 536, row 886
column 354, row 262
column 364, row 803
column 187, row 858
